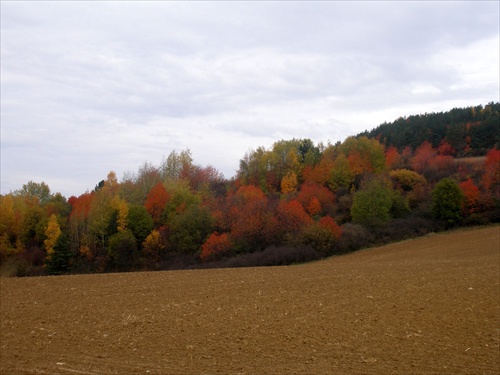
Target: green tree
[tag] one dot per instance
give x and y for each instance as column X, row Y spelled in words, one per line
column 190, row 229
column 140, row 222
column 340, row 175
column 122, row 250
column 372, row 204
column 41, row 191
column 59, row 261
column 447, row 199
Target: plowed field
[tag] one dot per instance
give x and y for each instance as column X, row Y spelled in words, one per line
column 425, row 306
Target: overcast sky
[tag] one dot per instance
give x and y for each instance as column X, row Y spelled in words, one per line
column 89, row 87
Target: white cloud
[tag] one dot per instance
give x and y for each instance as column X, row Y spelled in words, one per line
column 89, row 87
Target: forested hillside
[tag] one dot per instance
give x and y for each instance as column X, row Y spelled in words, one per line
column 294, row 202
column 469, row 131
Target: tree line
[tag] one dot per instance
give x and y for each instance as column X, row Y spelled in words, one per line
column 294, row 202
column 470, row 131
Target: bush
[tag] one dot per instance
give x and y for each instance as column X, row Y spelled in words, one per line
column 122, row 250
column 271, row 256
column 371, row 205
column 354, row 237
column 447, row 198
column 404, row 228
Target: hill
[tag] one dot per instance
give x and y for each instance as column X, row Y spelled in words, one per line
column 294, row 202
column 425, row 306
column 470, row 131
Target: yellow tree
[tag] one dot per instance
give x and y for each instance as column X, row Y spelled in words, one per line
column 153, row 245
column 121, row 208
column 289, row 183
column 52, row 233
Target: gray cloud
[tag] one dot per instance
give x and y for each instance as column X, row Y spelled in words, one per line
column 88, row 87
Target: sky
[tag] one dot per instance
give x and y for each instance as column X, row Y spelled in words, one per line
column 90, row 87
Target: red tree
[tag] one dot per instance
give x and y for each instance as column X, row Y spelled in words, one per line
column 325, row 197
column 471, row 196
column 491, row 176
column 330, row 224
column 215, row 246
column 292, row 216
column 156, row 201
column 80, row 206
column 392, row 157
column 423, row 155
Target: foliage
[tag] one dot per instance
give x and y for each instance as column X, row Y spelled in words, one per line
column 40, row 191
column 471, row 194
column 447, row 201
column 156, row 203
column 284, row 205
column 316, row 199
column 140, row 222
column 289, row 183
column 52, row 234
column 469, row 131
column 407, row 180
column 372, row 205
column 215, row 246
column 190, row 229
column 153, row 245
column 122, row 250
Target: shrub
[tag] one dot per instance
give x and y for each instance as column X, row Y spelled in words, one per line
column 447, row 201
column 404, row 228
column 271, row 256
column 354, row 237
column 372, row 205
column 122, row 250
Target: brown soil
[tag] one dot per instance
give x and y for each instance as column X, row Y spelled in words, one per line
column 425, row 306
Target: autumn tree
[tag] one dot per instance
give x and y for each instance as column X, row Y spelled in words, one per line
column 289, row 183
column 316, row 199
column 56, row 247
column 52, row 233
column 121, row 208
column 364, row 155
column 320, row 173
column 314, row 207
column 8, row 233
column 407, row 180
column 153, row 245
column 156, row 203
column 411, row 185
column 392, row 157
column 329, row 223
column 252, row 222
column 102, row 216
column 292, row 217
column 215, row 246
column 491, row 176
column 423, row 156
column 471, row 196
